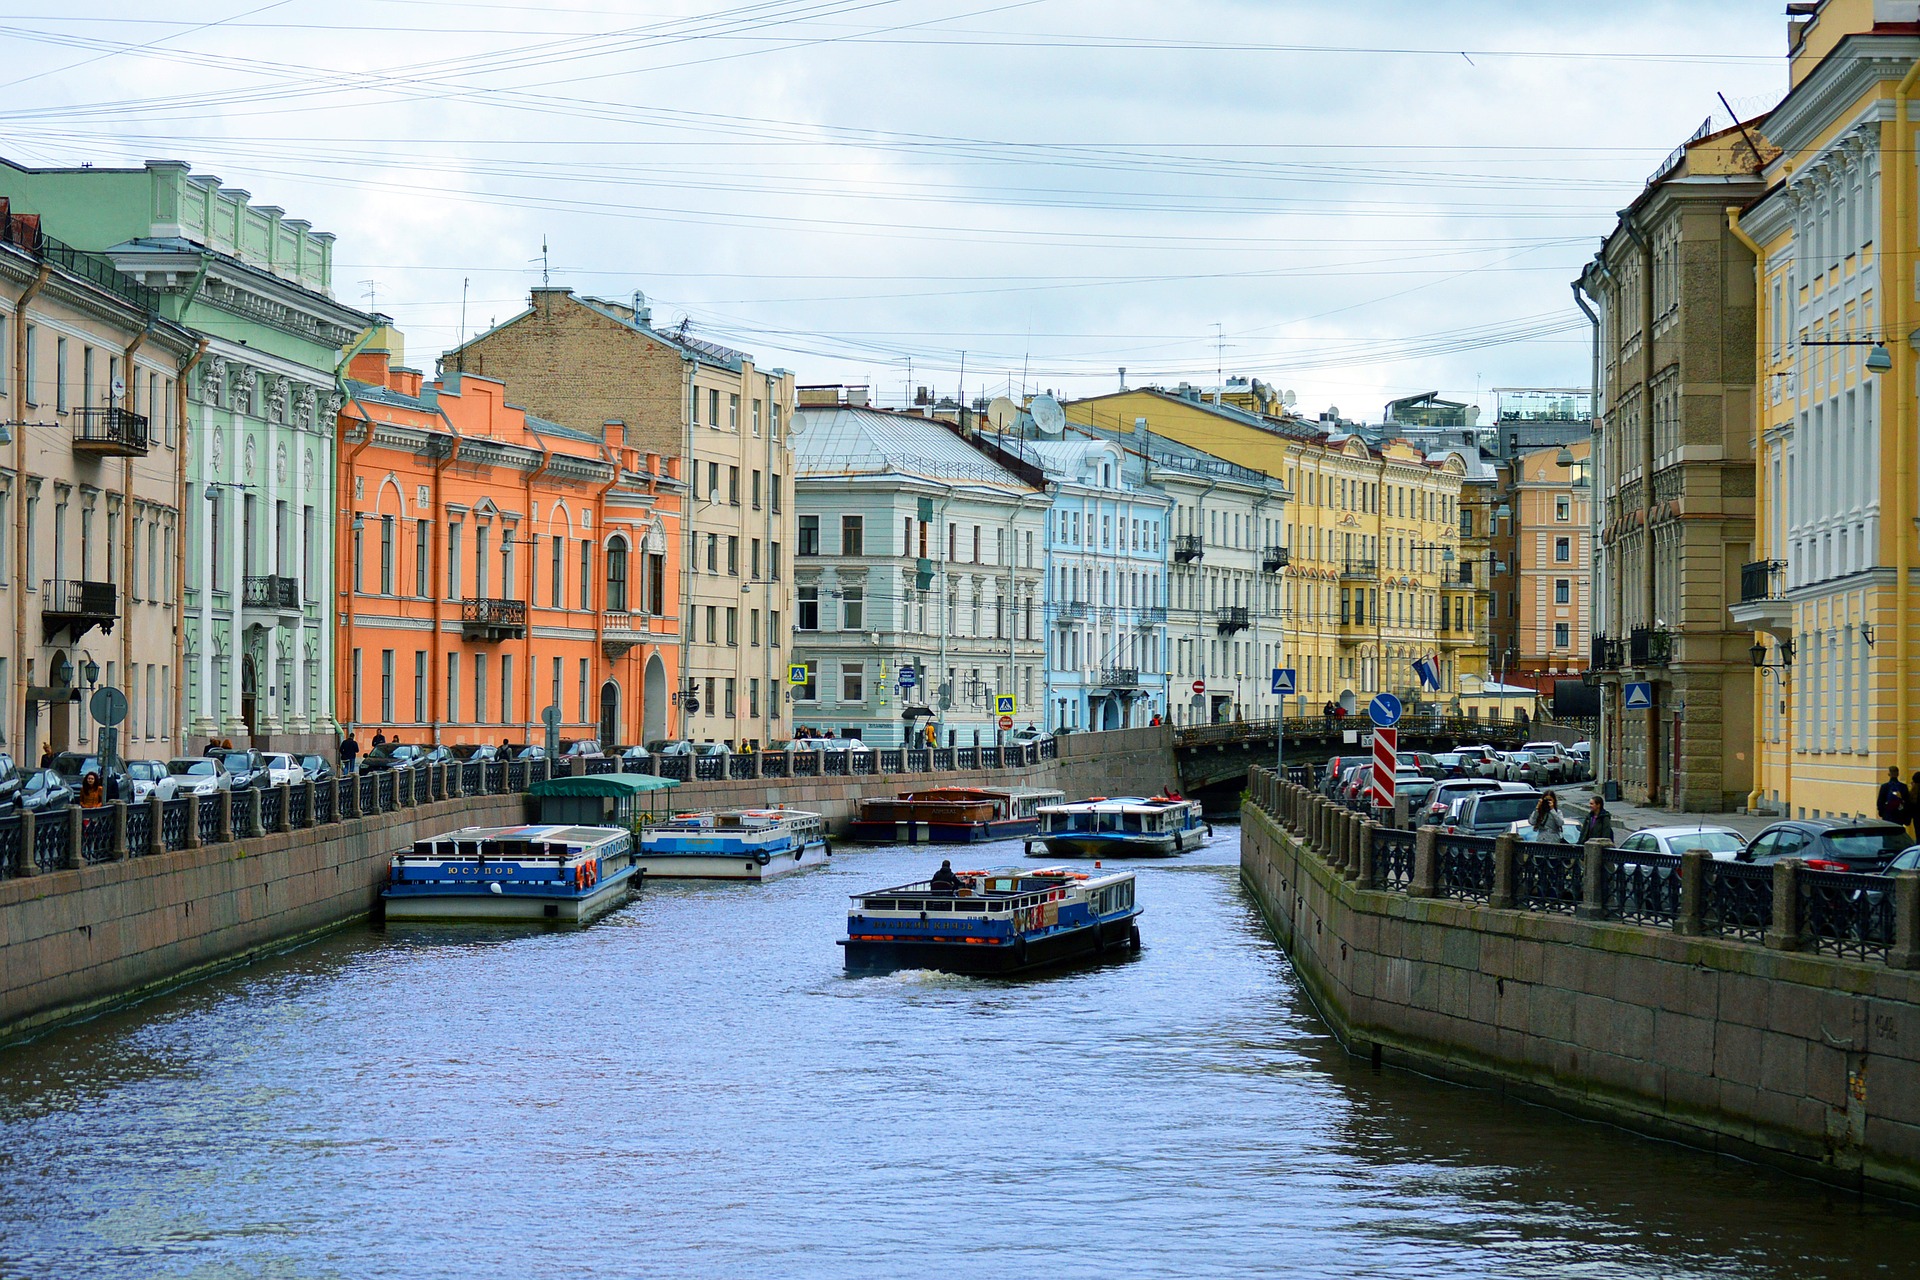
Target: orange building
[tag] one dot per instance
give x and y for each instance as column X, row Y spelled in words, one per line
column 491, row 564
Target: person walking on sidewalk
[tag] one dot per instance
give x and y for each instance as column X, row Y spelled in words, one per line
column 1598, row 824
column 1894, row 801
column 1913, row 801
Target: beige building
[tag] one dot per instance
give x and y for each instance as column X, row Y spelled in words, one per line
column 1674, row 291
column 1553, row 613
column 91, row 393
column 587, row 363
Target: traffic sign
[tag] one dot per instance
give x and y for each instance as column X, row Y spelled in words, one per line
column 109, row 705
column 1639, row 695
column 1283, row 680
column 1386, row 763
column 550, row 716
column 1005, row 704
column 1199, row 686
column 796, row 673
column 1006, row 722
column 1384, row 710
column 693, row 706
column 908, row 678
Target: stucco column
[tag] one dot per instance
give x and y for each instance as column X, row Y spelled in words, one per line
column 205, row 723
column 233, row 726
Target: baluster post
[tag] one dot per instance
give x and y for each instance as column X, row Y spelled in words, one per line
column 193, row 820
column 1506, row 871
column 1359, row 867
column 253, row 826
column 1905, row 952
column 1593, row 866
column 1426, row 864
column 1784, row 935
column 223, row 831
column 1690, row 916
column 156, row 820
column 27, row 866
column 76, row 827
column 117, row 851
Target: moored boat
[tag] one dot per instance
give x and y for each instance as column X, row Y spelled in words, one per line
column 734, row 844
column 952, row 815
column 994, row 922
column 542, row 872
column 1122, row 827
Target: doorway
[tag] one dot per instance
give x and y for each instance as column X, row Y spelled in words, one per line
column 247, row 696
column 610, row 714
column 654, row 705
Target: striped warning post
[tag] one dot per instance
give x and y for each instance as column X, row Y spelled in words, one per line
column 1386, row 763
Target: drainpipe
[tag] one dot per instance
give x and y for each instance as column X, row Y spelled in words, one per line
column 1646, row 489
column 435, row 576
column 1593, row 513
column 353, row 458
column 1900, row 304
column 1761, row 498
column 546, row 461
column 20, row 375
column 126, row 511
column 612, row 458
column 180, row 541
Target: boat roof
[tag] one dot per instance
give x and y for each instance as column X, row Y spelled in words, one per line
column 1019, row 880
column 1023, row 793
column 1120, row 804
column 534, row 831
column 602, row 784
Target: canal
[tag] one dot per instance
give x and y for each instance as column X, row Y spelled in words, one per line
column 692, row 1088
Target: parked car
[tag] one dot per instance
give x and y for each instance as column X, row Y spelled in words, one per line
column 670, row 747
column 529, row 752
column 636, row 752
column 1492, row 813
column 1529, row 767
column 1354, row 783
column 1562, row 766
column 581, row 749
column 1722, row 844
column 1441, row 801
column 199, row 775
column 73, row 768
column 712, row 749
column 1336, row 773
column 1491, row 764
column 1424, row 762
column 317, row 768
column 827, row 744
column 248, row 767
column 1417, row 788
column 392, row 755
column 44, row 791
column 1453, row 764
column 1829, row 844
column 1021, row 737
column 1909, row 860
column 284, row 770
column 149, row 779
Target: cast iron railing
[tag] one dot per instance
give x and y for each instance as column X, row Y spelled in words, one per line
column 1844, row 913
column 270, row 591
column 1643, row 887
column 1393, row 858
column 1549, row 876
column 1466, row 867
column 1738, row 900
column 140, row 830
column 96, row 835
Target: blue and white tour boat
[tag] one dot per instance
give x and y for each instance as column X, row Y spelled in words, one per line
column 952, row 815
column 1122, row 827
column 543, row 872
column 994, row 922
column 734, row 844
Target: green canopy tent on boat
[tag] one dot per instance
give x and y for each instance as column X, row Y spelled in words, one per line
column 600, row 799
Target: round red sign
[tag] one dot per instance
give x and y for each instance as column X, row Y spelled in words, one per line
column 1199, row 686
column 1006, row 722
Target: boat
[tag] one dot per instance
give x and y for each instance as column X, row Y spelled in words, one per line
column 734, row 844
column 541, row 872
column 994, row 923
column 1122, row 827
column 952, row 815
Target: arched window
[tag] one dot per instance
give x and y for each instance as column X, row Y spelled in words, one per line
column 617, row 575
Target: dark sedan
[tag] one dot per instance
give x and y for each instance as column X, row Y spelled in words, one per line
column 1828, row 844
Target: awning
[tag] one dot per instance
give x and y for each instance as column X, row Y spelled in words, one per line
column 617, row 785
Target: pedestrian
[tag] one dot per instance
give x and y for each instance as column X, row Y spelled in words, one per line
column 46, row 755
column 1598, row 824
column 379, row 739
column 1913, row 805
column 1155, row 723
column 1546, row 821
column 1894, row 803
column 92, row 796
column 506, row 751
column 349, row 752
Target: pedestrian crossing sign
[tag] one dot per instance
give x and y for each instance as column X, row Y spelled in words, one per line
column 1006, row 704
column 796, row 673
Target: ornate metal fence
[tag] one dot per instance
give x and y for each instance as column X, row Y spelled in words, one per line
column 210, row 819
column 11, row 854
column 1738, row 900
column 1642, row 887
column 1466, row 867
column 139, row 830
column 1843, row 913
column 272, row 811
column 50, row 839
column 96, row 835
column 1548, row 876
column 173, row 823
column 1393, row 858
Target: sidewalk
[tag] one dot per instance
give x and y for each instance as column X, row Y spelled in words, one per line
column 1628, row 818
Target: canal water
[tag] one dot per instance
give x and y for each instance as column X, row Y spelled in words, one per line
column 692, row 1087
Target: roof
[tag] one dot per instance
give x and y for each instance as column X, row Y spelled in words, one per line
column 602, row 784
column 844, row 440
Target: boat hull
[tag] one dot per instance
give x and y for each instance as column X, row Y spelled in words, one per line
column 1112, row 937
column 1101, row 844
column 474, row 903
column 731, row 866
column 924, row 831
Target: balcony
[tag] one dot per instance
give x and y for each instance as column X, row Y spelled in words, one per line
column 1073, row 611
column 1757, row 580
column 1606, row 654
column 109, row 433
column 1231, row 618
column 270, row 594
column 77, row 607
column 1357, row 630
column 1763, row 606
column 620, row 630
column 1119, row 678
column 482, row 619
column 1647, row 647
column 1364, row 570
column 1274, row 559
column 1187, row 548
column 1150, row 617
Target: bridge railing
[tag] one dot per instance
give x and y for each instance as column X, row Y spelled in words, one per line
column 1871, row 919
column 1451, row 730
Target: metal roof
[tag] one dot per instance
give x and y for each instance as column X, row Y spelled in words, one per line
column 842, row 440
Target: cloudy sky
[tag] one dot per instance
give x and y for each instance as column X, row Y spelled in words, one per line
column 1354, row 201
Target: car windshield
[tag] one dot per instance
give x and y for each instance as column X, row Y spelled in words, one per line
column 74, row 764
column 239, row 760
column 194, row 767
column 279, row 762
column 312, row 762
column 39, row 780
column 1707, row 842
column 1504, row 808
column 144, row 771
column 1868, row 845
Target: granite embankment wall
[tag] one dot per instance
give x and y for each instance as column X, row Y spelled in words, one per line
column 77, row 939
column 1809, row 1062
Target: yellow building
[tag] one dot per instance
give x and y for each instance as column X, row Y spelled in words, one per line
column 1373, row 578
column 1829, row 592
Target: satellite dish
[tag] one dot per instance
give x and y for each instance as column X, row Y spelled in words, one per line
column 1048, row 416
column 1288, row 399
column 1003, row 413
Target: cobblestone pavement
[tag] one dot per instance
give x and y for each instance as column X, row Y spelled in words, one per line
column 1632, row 817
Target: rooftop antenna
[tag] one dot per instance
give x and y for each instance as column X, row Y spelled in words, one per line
column 963, row 391
column 545, row 275
column 461, row 363
column 369, row 286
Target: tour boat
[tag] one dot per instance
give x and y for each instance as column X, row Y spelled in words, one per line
column 994, row 922
column 734, row 844
column 952, row 815
column 541, row 872
column 1126, row 826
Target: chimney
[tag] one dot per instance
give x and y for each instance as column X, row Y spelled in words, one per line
column 857, row 397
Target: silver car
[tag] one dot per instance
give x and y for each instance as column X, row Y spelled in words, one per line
column 1722, row 844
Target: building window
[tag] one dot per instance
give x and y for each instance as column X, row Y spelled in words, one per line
column 354, row 712
column 713, row 624
column 853, row 608
column 808, row 690
column 733, row 486
column 733, row 555
column 753, row 561
column 1562, row 508
column 656, row 584
column 421, row 532
column 1562, row 550
column 753, row 685
column 506, row 688
column 617, row 575
column 756, row 475
column 479, row 688
column 809, row 536
column 386, row 555
column 1562, row 591
column 853, row 535
column 586, row 574
column 809, row 601
column 733, row 419
column 60, row 375
column 756, row 416
column 580, row 692
column 853, row 682
column 453, row 563
column 753, row 627
column 453, row 688
column 773, row 488
column 1561, row 637
column 419, row 686
column 733, row 625
column 713, row 553
column 773, row 561
column 713, row 410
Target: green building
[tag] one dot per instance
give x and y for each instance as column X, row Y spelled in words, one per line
column 254, row 641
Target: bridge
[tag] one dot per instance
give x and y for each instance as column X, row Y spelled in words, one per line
column 1214, row 757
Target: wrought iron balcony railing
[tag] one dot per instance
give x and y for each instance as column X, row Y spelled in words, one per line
column 1648, row 647
column 1274, row 559
column 1152, row 616
column 1360, row 568
column 1757, row 580
column 270, row 591
column 77, row 606
column 1120, row 677
column 1073, row 611
column 110, row 432
column 484, row 619
column 1187, row 548
column 1231, row 618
